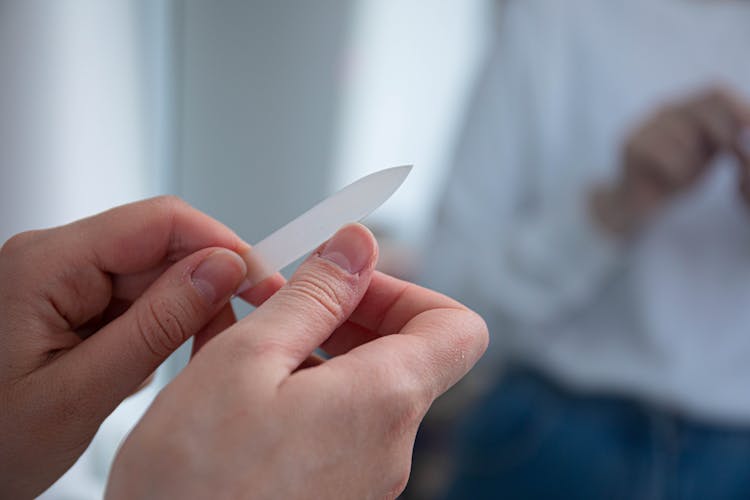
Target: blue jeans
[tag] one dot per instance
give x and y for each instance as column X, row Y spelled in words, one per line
column 531, row 439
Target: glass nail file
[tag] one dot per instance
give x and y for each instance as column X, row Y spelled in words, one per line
column 311, row 229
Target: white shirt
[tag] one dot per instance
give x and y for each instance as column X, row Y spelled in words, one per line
column 666, row 320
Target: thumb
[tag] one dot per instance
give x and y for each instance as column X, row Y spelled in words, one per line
column 320, row 296
column 176, row 307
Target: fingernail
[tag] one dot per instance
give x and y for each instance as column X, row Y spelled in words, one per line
column 216, row 278
column 350, row 248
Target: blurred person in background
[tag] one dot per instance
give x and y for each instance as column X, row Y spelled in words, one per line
column 598, row 216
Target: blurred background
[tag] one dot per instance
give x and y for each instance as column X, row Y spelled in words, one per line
column 234, row 105
column 582, row 175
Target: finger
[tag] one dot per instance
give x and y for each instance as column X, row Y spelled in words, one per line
column 432, row 352
column 739, row 112
column 136, row 237
column 129, row 287
column 726, row 119
column 178, row 305
column 312, row 361
column 718, row 125
column 347, row 337
column 258, row 294
column 683, row 139
column 733, row 103
column 71, row 266
column 387, row 306
column 673, row 168
column 721, row 114
column 653, row 161
column 320, row 296
column 221, row 322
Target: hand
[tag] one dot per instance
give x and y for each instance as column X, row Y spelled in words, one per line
column 255, row 414
column 670, row 152
column 89, row 311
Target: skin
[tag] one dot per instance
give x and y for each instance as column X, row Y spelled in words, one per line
column 343, row 428
column 669, row 153
column 91, row 309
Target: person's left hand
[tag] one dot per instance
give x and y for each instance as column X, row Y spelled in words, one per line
column 89, row 311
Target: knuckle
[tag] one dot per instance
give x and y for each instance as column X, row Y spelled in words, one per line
column 169, row 201
column 80, row 296
column 163, row 325
column 400, row 481
column 18, row 244
column 399, row 477
column 327, row 296
column 408, row 402
column 474, row 337
column 168, row 204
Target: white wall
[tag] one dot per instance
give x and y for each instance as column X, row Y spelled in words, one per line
column 74, row 122
column 259, row 82
column 410, row 67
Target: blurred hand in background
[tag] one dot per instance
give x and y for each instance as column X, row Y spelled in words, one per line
column 619, row 313
column 670, row 151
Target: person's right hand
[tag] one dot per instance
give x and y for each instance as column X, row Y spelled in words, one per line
column 669, row 153
column 256, row 414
